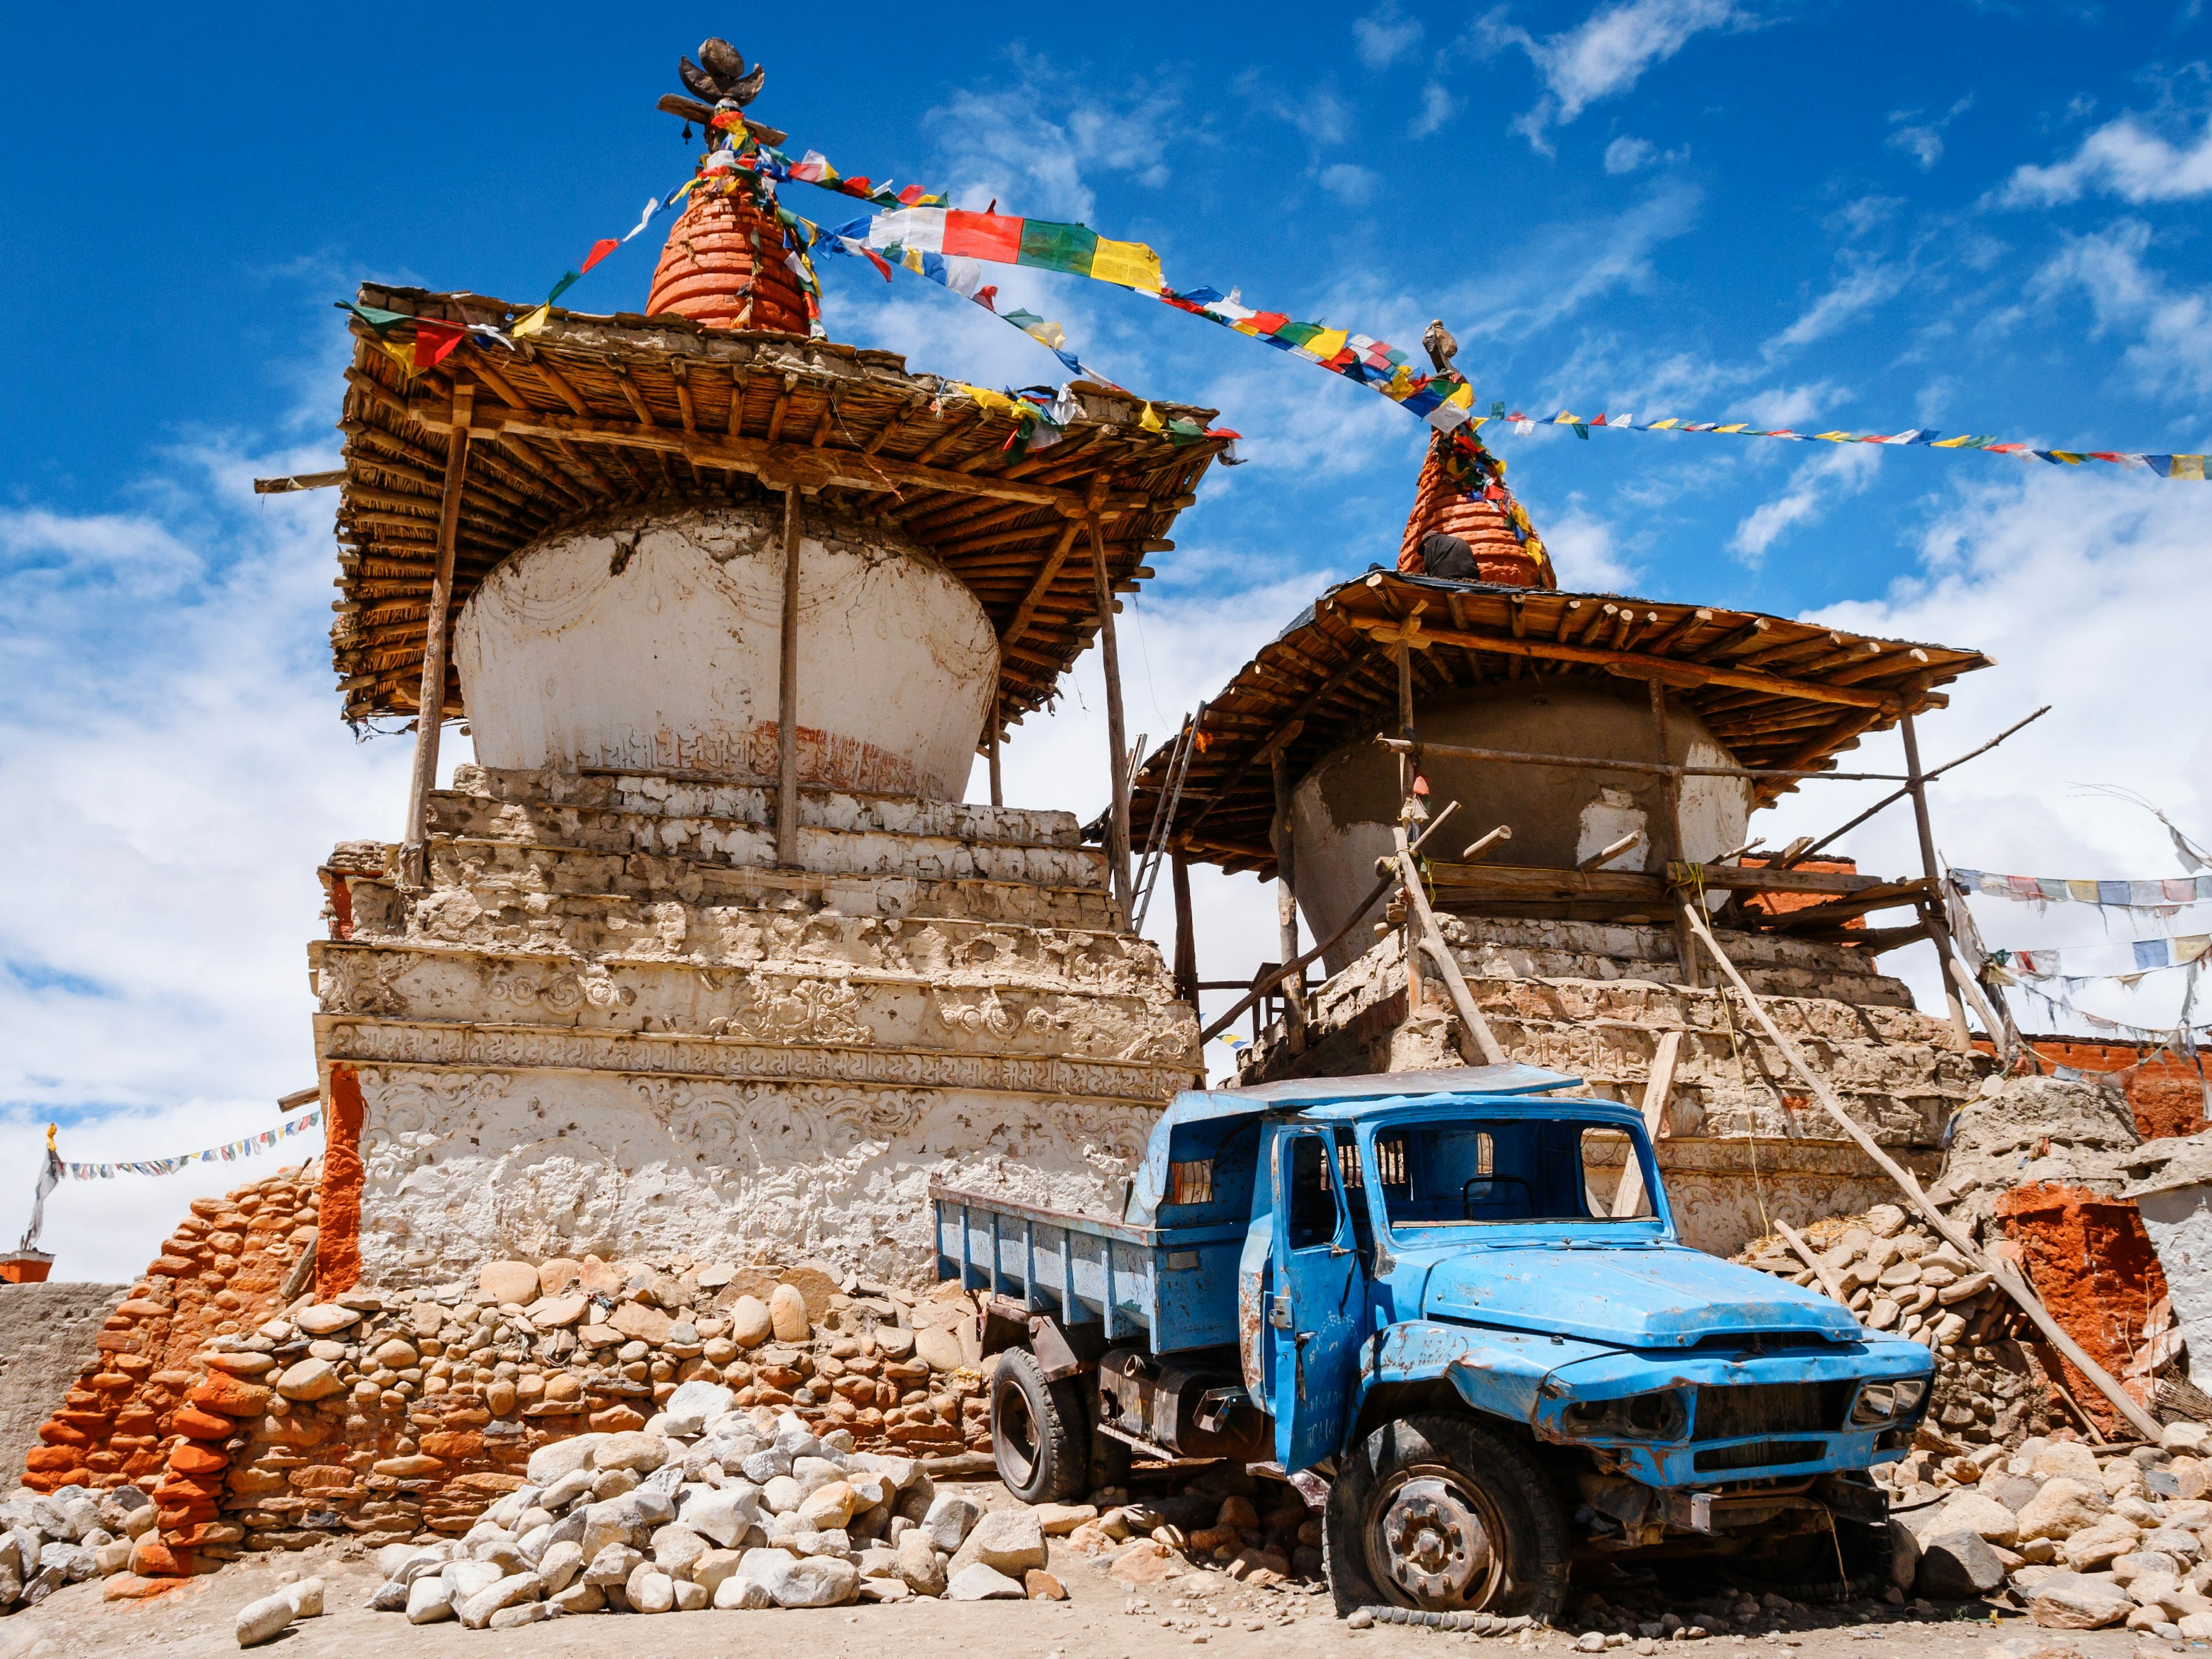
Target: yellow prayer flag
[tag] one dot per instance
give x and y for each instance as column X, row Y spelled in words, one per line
column 1660, row 426
column 530, row 324
column 1401, row 384
column 1130, row 263
column 1149, row 420
column 2188, row 466
column 1959, row 442
column 1740, row 426
column 997, row 402
column 403, row 355
column 1327, row 343
column 1564, row 419
column 1833, row 437
column 1462, row 398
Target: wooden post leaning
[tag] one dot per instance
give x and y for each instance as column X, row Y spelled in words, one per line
column 2012, row 1286
column 430, row 706
column 1419, row 914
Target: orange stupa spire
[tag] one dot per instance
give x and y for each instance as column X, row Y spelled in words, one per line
column 1442, row 506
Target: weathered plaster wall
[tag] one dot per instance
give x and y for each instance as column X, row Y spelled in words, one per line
column 1344, row 808
column 651, row 641
column 463, row 1164
column 47, row 1336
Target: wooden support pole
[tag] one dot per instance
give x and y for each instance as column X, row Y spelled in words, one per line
column 1671, row 833
column 997, row 791
column 430, row 706
column 2009, row 1282
column 786, row 694
column 1656, row 1088
column 1185, row 934
column 1932, row 912
column 1286, row 897
column 1418, row 915
column 1118, row 835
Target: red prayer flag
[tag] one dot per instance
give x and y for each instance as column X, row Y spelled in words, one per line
column 1267, row 322
column 434, row 341
column 600, row 249
column 912, row 194
column 983, row 235
column 878, row 262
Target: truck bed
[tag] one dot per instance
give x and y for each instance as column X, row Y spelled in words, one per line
column 1168, row 1289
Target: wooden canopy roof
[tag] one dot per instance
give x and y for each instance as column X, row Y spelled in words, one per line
column 598, row 413
column 1779, row 695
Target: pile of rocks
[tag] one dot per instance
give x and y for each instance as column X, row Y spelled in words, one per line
column 1897, row 1275
column 380, row 1417
column 715, row 1505
column 1218, row 1523
column 2082, row 1537
column 65, row 1537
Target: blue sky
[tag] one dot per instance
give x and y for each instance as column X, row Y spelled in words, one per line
column 1976, row 217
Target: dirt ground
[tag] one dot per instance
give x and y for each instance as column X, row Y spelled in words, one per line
column 1101, row 1619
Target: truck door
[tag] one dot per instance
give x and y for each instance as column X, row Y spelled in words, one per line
column 1313, row 1320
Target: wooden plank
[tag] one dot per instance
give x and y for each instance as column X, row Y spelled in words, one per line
column 1640, row 666
column 2143, row 1423
column 1476, row 882
column 1656, row 1088
column 1752, row 878
column 781, row 464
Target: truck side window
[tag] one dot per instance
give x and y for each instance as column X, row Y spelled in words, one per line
column 1312, row 1197
column 1606, row 1155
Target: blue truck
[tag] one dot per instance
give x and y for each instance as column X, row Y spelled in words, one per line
column 1458, row 1298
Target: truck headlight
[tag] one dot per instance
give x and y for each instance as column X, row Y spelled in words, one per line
column 1659, row 1415
column 1881, row 1403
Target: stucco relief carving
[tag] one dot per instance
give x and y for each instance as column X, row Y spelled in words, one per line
column 974, row 1015
column 796, row 1011
column 357, row 983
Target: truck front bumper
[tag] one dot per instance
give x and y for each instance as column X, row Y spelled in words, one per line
column 1712, row 1418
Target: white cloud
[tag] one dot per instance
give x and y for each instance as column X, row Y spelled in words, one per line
column 1865, row 283
column 2173, row 348
column 2123, row 158
column 1385, row 35
column 2069, row 581
column 1565, row 266
column 1348, row 182
column 1605, row 54
column 1030, row 144
column 1585, row 552
column 1627, row 155
column 1923, row 144
column 1438, row 106
column 1817, row 484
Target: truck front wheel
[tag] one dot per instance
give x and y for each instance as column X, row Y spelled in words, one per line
column 1036, row 1431
column 1436, row 1512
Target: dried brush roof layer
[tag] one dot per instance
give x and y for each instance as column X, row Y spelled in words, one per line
column 600, row 413
column 1777, row 694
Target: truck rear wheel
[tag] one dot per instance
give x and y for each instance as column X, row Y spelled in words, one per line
column 1037, row 1431
column 1436, row 1512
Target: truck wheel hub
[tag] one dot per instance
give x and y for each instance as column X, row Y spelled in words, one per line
column 1437, row 1545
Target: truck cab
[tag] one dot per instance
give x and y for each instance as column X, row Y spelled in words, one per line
column 1459, row 1298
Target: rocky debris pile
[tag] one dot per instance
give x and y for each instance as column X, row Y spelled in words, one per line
column 2080, row 1536
column 715, row 1505
column 381, row 1417
column 66, row 1537
column 266, row 1620
column 2031, row 1131
column 1218, row 1523
column 1896, row 1274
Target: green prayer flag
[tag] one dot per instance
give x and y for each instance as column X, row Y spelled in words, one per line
column 568, row 280
column 378, row 320
column 1057, row 248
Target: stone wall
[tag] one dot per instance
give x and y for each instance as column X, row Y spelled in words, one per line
column 258, row 1418
column 2165, row 1095
column 47, row 1337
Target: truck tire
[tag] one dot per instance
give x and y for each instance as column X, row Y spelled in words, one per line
column 1436, row 1512
column 1037, row 1431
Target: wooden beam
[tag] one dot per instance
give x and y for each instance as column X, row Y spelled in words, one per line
column 1433, row 939
column 1185, row 934
column 430, row 702
column 1639, row 665
column 1117, row 741
column 1656, row 1087
column 784, row 462
column 1953, row 1233
column 786, row 694
column 1286, row 895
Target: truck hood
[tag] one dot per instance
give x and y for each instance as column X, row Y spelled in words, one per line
column 1648, row 1297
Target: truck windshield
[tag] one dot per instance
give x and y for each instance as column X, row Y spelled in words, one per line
column 1478, row 1173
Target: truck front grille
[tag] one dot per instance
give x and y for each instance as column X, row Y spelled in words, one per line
column 1759, row 1454
column 1730, row 1412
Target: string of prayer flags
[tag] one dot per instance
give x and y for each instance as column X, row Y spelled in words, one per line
column 2189, row 467
column 2167, row 893
column 2116, row 1028
column 2148, row 956
column 229, row 1152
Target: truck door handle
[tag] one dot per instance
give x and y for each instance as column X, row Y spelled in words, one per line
column 1279, row 1313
